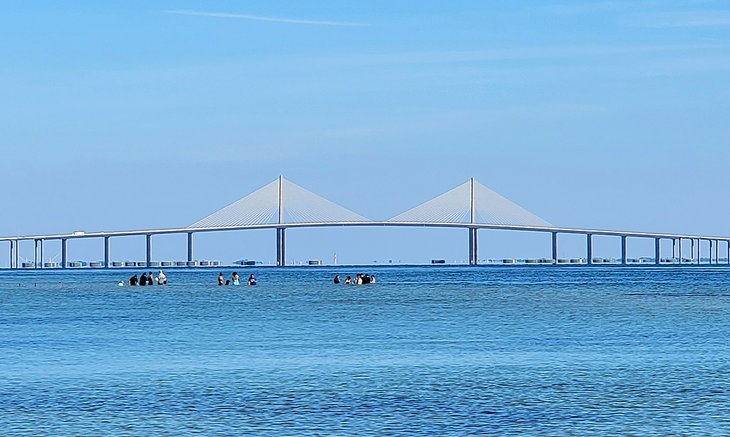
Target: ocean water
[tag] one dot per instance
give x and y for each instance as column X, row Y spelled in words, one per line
column 426, row 350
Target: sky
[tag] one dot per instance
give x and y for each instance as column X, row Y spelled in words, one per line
column 122, row 115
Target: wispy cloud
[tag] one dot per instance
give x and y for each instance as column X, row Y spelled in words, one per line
column 683, row 19
column 263, row 18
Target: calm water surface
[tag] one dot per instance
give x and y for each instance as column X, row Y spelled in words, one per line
column 503, row 351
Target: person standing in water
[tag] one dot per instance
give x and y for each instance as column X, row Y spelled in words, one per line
column 251, row 280
column 161, row 278
column 236, row 279
column 337, row 279
column 221, row 279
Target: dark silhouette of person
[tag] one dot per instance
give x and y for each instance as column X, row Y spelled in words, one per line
column 143, row 279
column 133, row 280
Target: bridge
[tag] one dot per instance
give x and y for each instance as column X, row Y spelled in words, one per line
column 283, row 205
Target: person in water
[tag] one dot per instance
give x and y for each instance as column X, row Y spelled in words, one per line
column 372, row 279
column 133, row 280
column 161, row 278
column 150, row 279
column 337, row 279
column 221, row 279
column 143, row 279
column 251, row 280
column 348, row 280
column 236, row 279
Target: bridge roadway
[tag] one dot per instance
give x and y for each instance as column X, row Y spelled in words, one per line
column 40, row 239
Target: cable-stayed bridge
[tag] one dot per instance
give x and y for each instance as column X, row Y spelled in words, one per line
column 282, row 205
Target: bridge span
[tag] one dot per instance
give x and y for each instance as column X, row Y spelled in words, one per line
column 283, row 205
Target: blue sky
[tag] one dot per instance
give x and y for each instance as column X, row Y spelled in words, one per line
column 138, row 114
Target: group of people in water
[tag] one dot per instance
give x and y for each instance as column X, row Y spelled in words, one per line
column 148, row 279
column 359, row 279
column 235, row 279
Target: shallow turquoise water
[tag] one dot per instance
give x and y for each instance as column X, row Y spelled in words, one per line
column 504, row 351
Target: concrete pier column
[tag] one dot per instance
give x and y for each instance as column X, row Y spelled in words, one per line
column 64, row 253
column 680, row 251
column 555, row 247
column 710, row 251
column 35, row 254
column 699, row 251
column 280, row 247
column 473, row 247
column 148, row 249
column 674, row 249
column 589, row 249
column 42, row 253
column 657, row 251
column 624, row 251
column 10, row 258
column 717, row 251
column 190, row 246
column 107, row 261
column 17, row 254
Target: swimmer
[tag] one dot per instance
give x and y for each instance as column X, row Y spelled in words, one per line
column 161, row 278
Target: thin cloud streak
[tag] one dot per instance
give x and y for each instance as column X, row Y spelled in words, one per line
column 263, row 18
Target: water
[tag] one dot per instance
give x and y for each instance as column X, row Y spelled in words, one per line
column 500, row 351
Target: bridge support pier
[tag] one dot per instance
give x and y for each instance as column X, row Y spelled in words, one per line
column 699, row 251
column 554, row 251
column 679, row 252
column 148, row 249
column 624, row 251
column 473, row 247
column 657, row 251
column 35, row 254
column 106, row 252
column 10, row 258
column 64, row 252
column 710, row 252
column 280, row 247
column 17, row 254
column 190, row 246
column 589, row 249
